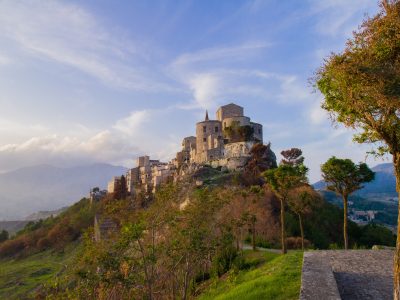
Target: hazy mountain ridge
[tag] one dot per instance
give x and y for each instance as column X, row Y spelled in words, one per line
column 44, row 187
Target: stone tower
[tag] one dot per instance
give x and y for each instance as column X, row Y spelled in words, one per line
column 209, row 140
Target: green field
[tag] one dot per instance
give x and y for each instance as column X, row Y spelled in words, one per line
column 20, row 277
column 274, row 276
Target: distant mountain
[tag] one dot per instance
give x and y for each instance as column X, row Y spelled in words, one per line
column 44, row 214
column 384, row 185
column 44, row 187
column 12, row 226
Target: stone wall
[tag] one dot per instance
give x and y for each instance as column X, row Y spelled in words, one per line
column 230, row 110
column 238, row 149
column 208, row 136
column 241, row 121
column 233, row 163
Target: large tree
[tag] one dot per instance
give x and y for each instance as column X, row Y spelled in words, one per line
column 345, row 177
column 290, row 174
column 361, row 88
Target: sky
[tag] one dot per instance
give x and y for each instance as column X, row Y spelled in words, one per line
column 105, row 81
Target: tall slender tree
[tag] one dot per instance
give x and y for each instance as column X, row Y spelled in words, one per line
column 302, row 201
column 345, row 177
column 291, row 173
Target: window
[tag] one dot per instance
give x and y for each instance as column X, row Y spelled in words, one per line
column 204, row 129
column 224, row 124
column 216, row 128
column 259, row 130
column 204, row 140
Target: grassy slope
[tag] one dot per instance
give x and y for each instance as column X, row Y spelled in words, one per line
column 19, row 277
column 276, row 277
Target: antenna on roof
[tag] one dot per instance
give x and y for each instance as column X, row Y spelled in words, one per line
column 207, row 115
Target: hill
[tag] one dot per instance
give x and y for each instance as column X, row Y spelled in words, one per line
column 44, row 187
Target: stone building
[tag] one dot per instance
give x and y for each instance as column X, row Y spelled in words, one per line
column 104, row 228
column 132, row 179
column 231, row 135
column 223, row 142
column 113, row 184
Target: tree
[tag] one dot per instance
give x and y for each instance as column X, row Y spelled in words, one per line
column 361, row 87
column 292, row 156
column 345, row 177
column 121, row 189
column 301, row 201
column 282, row 180
column 4, row 235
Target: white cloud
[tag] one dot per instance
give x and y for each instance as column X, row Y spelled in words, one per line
column 206, row 89
column 120, row 144
column 132, row 124
column 67, row 34
column 5, row 60
column 223, row 53
column 340, row 17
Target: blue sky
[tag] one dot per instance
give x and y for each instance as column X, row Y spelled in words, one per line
column 105, row 81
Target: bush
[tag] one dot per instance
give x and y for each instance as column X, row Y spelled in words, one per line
column 10, row 247
column 223, row 260
column 295, row 243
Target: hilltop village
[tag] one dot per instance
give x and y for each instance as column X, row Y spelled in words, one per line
column 224, row 142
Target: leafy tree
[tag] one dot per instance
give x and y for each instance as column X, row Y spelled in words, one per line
column 345, row 177
column 282, row 180
column 4, row 235
column 301, row 201
column 361, row 87
column 292, row 156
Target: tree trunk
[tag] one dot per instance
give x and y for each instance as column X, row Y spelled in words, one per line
column 396, row 269
column 186, row 280
column 283, row 231
column 346, row 244
column 301, row 232
column 253, row 232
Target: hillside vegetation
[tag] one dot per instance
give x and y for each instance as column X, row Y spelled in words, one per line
column 270, row 276
column 22, row 278
column 185, row 241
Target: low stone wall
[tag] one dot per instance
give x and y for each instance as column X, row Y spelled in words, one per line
column 351, row 274
column 317, row 280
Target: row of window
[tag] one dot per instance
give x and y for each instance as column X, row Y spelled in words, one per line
column 205, row 139
column 216, row 129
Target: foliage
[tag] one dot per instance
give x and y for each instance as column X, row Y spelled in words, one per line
column 22, row 278
column 374, row 234
column 4, row 235
column 236, row 133
column 361, row 85
column 302, row 201
column 52, row 233
column 344, row 177
column 262, row 158
column 271, row 276
column 290, row 174
column 361, row 88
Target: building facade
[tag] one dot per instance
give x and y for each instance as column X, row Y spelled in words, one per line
column 230, row 135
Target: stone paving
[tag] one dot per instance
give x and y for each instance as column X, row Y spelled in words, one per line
column 354, row 274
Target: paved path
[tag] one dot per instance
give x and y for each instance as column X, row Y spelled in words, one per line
column 359, row 274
